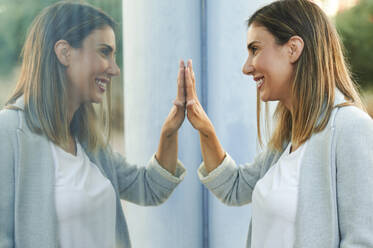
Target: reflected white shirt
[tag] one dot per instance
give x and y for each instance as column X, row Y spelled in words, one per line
column 85, row 201
column 274, row 202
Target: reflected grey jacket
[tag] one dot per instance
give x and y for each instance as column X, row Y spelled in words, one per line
column 335, row 197
column 27, row 212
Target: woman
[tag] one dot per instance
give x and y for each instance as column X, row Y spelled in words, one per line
column 312, row 186
column 60, row 182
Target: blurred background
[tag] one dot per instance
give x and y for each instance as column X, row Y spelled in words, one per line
column 354, row 22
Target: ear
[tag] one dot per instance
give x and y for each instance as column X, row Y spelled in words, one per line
column 295, row 45
column 63, row 50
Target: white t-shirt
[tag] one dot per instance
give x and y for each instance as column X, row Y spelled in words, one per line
column 85, row 202
column 274, row 202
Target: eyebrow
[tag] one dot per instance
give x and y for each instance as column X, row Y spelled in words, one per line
column 111, row 49
column 252, row 44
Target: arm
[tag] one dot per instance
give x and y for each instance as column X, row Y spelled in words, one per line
column 212, row 151
column 153, row 184
column 167, row 148
column 6, row 188
column 231, row 184
column 146, row 186
column 354, row 159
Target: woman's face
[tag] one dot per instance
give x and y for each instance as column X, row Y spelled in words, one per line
column 92, row 66
column 269, row 64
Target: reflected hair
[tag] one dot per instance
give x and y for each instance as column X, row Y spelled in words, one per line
column 320, row 69
column 43, row 81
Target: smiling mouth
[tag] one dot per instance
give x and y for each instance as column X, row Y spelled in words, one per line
column 259, row 82
column 101, row 84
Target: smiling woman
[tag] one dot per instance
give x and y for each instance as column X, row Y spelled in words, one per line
column 90, row 68
column 62, row 39
column 311, row 186
column 60, row 181
column 266, row 64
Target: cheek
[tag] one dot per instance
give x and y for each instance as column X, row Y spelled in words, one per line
column 74, row 76
column 276, row 68
column 265, row 66
column 88, row 64
column 264, row 61
column 79, row 75
column 88, row 71
column 97, row 66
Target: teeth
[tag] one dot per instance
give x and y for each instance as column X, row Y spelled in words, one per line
column 101, row 84
column 259, row 82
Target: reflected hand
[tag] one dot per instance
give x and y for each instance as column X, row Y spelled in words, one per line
column 177, row 114
column 195, row 113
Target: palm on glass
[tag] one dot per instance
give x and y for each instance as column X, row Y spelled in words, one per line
column 177, row 113
column 212, row 151
column 195, row 112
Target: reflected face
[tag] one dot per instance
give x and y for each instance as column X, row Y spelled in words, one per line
column 92, row 66
column 269, row 65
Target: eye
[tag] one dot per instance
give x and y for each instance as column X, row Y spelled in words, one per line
column 253, row 50
column 105, row 51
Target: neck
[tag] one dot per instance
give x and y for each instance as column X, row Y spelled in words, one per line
column 73, row 107
column 289, row 105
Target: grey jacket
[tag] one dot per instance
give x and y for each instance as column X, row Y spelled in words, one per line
column 335, row 197
column 27, row 210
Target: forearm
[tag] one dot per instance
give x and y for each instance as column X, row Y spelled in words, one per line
column 212, row 151
column 167, row 152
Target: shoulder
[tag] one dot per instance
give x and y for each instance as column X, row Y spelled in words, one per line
column 9, row 123
column 9, row 120
column 352, row 120
column 353, row 131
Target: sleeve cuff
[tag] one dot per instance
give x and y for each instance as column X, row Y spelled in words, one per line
column 162, row 176
column 218, row 176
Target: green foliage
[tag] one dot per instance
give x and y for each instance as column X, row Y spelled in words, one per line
column 17, row 15
column 355, row 27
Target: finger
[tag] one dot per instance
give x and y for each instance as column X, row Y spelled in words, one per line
column 190, row 93
column 190, row 66
column 180, row 97
column 194, row 81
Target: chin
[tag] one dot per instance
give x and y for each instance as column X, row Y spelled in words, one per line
column 267, row 97
column 264, row 98
column 96, row 100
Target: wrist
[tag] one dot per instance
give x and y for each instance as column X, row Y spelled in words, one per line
column 167, row 133
column 207, row 131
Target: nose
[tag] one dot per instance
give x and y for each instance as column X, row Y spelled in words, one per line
column 247, row 68
column 113, row 70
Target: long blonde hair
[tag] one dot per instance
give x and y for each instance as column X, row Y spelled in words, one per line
column 320, row 69
column 43, row 80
